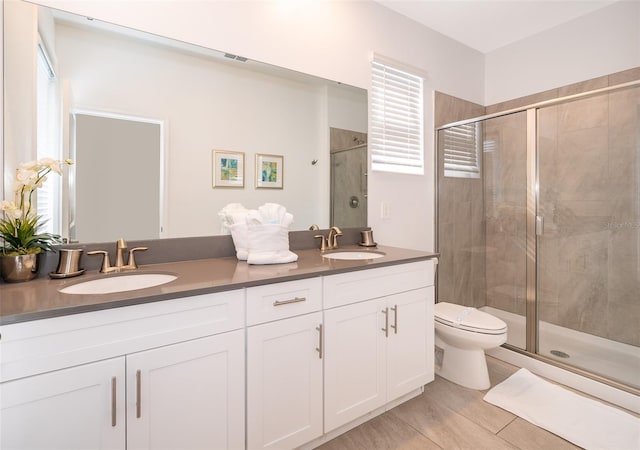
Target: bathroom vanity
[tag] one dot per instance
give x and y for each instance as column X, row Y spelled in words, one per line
column 298, row 352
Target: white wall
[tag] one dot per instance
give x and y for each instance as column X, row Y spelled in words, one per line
column 333, row 40
column 597, row 44
column 20, row 100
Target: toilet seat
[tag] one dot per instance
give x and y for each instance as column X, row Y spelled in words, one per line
column 467, row 318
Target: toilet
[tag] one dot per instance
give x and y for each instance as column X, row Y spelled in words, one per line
column 462, row 335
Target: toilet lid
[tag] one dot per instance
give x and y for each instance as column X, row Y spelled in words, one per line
column 467, row 318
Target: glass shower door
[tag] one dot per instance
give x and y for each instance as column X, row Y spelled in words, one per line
column 505, row 211
column 588, row 262
column 482, row 210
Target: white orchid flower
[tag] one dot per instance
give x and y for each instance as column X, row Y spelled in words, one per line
column 30, row 165
column 51, row 164
column 26, row 177
column 10, row 209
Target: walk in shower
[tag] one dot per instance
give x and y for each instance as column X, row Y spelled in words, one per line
column 539, row 224
column 348, row 178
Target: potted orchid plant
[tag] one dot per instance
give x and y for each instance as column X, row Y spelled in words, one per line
column 19, row 227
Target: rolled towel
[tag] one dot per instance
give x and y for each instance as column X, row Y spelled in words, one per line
column 231, row 214
column 287, row 220
column 272, row 213
column 254, row 218
column 269, row 244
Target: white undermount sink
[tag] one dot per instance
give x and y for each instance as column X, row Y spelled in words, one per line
column 118, row 283
column 353, row 255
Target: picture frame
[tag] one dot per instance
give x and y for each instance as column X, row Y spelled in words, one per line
column 269, row 171
column 228, row 169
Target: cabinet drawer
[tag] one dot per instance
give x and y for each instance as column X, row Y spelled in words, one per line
column 281, row 300
column 351, row 287
column 43, row 345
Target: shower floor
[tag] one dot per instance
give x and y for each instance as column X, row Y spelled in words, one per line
column 614, row 360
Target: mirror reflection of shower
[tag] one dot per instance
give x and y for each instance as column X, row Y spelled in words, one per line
column 348, row 178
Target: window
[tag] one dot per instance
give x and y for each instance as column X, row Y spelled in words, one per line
column 48, row 145
column 396, row 114
column 462, row 151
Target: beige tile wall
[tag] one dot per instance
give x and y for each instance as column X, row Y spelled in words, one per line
column 589, row 162
column 348, row 178
column 461, row 269
column 590, row 198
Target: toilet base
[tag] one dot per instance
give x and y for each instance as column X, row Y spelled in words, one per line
column 467, row 368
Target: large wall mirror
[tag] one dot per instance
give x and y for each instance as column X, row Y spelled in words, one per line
column 142, row 116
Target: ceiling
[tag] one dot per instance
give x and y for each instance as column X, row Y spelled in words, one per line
column 486, row 25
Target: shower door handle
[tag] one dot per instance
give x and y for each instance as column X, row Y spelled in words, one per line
column 539, row 225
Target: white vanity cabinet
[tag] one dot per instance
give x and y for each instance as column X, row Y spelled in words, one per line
column 378, row 338
column 77, row 408
column 284, row 364
column 188, row 395
column 276, row 366
column 161, row 375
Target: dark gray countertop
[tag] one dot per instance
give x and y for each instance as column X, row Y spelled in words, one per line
column 40, row 299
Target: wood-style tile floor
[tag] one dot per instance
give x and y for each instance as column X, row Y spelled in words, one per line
column 447, row 416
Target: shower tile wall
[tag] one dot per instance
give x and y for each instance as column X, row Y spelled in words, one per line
column 589, row 193
column 461, row 268
column 348, row 178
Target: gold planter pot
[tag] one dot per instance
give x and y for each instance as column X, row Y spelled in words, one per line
column 15, row 269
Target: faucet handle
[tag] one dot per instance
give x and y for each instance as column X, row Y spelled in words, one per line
column 106, row 264
column 131, row 264
column 323, row 242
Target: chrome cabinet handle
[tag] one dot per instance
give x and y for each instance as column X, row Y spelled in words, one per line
column 395, row 319
column 113, row 401
column 320, row 347
column 386, row 321
column 138, row 394
column 292, row 300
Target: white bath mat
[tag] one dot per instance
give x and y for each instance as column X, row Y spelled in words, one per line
column 583, row 421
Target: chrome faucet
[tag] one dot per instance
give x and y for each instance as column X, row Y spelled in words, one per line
column 120, row 266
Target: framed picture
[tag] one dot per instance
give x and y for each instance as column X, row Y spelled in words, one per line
column 269, row 171
column 228, row 169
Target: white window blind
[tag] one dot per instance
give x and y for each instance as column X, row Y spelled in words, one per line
column 396, row 114
column 48, row 145
column 462, row 151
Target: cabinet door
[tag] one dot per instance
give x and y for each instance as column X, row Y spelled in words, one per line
column 284, row 382
column 78, row 408
column 355, row 362
column 188, row 395
column 410, row 342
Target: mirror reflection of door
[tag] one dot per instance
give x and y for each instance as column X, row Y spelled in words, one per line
column 118, row 176
column 348, row 178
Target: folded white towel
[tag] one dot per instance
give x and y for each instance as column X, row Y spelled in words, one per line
column 269, row 244
column 260, row 236
column 240, row 236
